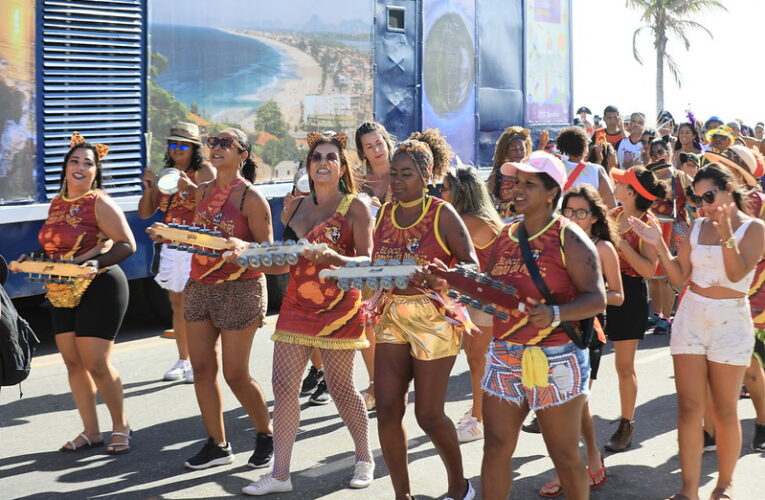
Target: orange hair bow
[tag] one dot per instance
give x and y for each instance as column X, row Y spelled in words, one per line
column 77, row 139
column 314, row 137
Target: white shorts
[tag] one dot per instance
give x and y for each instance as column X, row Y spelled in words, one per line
column 174, row 269
column 720, row 329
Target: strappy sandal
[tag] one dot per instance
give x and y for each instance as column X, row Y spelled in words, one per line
column 119, row 448
column 594, row 483
column 87, row 446
column 553, row 489
column 720, row 494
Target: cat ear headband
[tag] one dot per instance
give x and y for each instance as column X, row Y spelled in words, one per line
column 101, row 149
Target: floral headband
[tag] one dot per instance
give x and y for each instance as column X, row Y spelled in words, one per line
column 77, row 139
column 314, row 137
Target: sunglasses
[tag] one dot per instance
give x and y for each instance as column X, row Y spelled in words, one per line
column 318, row 158
column 579, row 213
column 708, row 197
column 182, row 147
column 223, row 142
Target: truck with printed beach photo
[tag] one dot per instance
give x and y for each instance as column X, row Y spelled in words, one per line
column 122, row 72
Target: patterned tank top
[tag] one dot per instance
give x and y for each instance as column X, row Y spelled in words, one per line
column 71, row 228
column 179, row 208
column 318, row 313
column 755, row 204
column 630, row 237
column 220, row 213
column 484, row 252
column 420, row 241
column 509, row 267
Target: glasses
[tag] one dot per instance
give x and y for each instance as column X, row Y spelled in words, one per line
column 708, row 197
column 579, row 213
column 223, row 142
column 174, row 145
column 318, row 158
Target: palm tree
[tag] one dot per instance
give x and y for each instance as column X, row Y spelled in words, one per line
column 665, row 18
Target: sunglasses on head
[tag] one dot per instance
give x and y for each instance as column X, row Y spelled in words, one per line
column 175, row 145
column 316, row 157
column 579, row 213
column 708, row 197
column 223, row 142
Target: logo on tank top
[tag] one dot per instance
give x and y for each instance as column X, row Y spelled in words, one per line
column 73, row 211
column 412, row 244
column 332, row 233
column 535, row 253
column 218, row 217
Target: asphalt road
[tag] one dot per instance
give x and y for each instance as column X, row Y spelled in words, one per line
column 168, row 430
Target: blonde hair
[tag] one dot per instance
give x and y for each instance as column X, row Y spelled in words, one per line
column 469, row 196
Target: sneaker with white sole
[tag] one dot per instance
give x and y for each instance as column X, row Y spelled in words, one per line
column 267, row 484
column 211, row 455
column 188, row 377
column 178, row 371
column 469, row 429
column 363, row 474
column 469, row 495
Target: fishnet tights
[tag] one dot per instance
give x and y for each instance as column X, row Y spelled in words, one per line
column 289, row 364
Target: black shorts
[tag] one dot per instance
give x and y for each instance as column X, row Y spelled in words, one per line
column 629, row 321
column 101, row 310
column 596, row 350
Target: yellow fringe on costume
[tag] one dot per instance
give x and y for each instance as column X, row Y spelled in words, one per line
column 320, row 342
column 535, row 368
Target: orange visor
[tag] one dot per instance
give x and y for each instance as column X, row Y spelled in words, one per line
column 630, row 178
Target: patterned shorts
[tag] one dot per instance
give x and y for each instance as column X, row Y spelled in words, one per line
column 231, row 305
column 569, row 375
column 759, row 345
column 719, row 329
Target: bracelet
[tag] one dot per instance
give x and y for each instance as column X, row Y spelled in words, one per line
column 729, row 243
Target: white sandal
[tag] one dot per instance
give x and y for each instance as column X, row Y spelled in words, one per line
column 120, row 448
column 88, row 444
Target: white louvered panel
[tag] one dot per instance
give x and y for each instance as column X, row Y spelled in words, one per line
column 92, row 76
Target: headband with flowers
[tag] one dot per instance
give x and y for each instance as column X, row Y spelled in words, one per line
column 314, row 137
column 77, row 139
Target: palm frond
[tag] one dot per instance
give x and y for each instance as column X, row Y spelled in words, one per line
column 684, row 7
column 674, row 69
column 635, row 53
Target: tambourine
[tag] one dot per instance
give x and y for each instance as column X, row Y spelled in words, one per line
column 167, row 180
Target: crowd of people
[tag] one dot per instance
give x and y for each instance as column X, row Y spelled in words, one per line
column 606, row 233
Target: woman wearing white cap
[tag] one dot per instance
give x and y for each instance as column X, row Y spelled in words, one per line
column 184, row 152
column 532, row 360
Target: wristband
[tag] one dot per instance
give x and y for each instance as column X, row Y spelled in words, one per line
column 729, row 243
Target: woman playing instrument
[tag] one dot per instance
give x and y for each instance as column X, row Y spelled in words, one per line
column 217, row 322
column 713, row 337
column 82, row 222
column 316, row 314
column 636, row 190
column 184, row 152
column 415, row 340
column 532, row 361
column 584, row 206
column 466, row 191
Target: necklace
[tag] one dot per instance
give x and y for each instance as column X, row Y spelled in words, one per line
column 414, row 203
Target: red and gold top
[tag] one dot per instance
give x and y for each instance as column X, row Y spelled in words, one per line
column 506, row 187
column 71, row 228
column 630, row 237
column 317, row 313
column 755, row 201
column 509, row 267
column 220, row 213
column 179, row 208
column 421, row 241
column 484, row 252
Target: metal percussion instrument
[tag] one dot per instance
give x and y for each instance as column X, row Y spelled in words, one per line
column 167, row 180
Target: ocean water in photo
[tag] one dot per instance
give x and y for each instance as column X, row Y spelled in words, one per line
column 215, row 69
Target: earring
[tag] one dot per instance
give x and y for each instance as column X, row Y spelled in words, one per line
column 343, row 187
column 313, row 195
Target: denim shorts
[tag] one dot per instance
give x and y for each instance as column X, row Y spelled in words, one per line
column 569, row 374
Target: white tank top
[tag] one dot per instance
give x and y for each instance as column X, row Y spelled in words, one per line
column 707, row 267
column 589, row 174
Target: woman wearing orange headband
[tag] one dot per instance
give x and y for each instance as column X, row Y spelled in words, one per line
column 636, row 190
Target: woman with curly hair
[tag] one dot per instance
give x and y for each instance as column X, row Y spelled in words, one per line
column 513, row 146
column 415, row 339
column 184, row 152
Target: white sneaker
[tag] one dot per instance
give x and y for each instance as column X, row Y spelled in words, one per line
column 363, row 474
column 267, row 484
column 470, row 495
column 188, row 377
column 178, row 371
column 469, row 429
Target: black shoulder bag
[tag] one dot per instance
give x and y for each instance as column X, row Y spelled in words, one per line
column 582, row 340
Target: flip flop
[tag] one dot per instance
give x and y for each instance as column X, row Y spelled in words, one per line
column 593, row 475
column 720, row 494
column 119, row 448
column 88, row 444
column 552, row 489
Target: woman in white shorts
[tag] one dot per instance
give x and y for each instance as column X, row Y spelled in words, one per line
column 184, row 152
column 713, row 334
